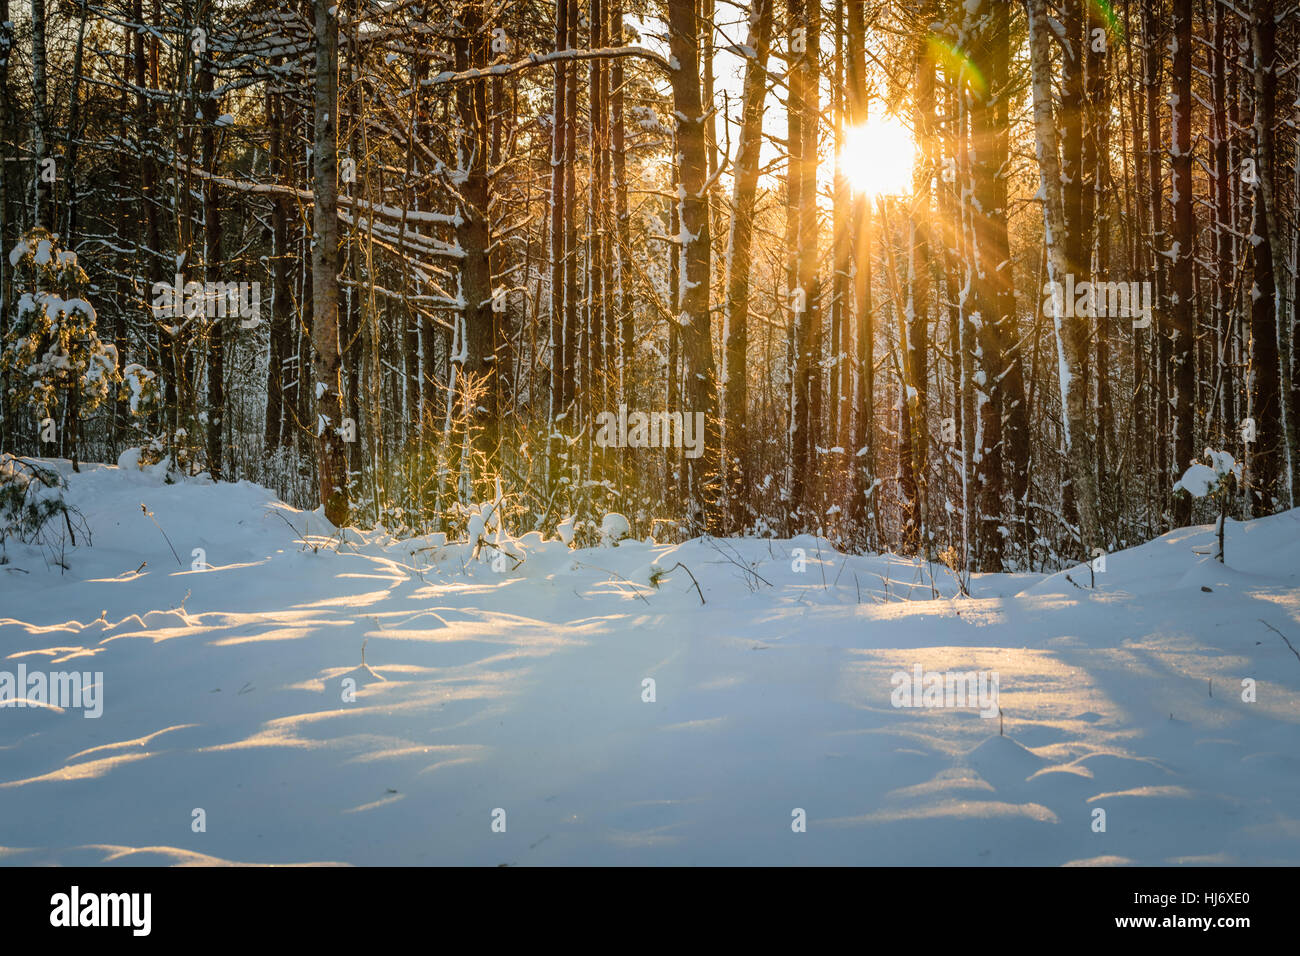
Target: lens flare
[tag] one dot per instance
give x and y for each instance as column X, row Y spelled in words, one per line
column 877, row 157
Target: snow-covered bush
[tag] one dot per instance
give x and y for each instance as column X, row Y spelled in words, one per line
column 139, row 388
column 613, row 529
column 141, row 394
column 488, row 536
column 31, row 499
column 1215, row 481
column 579, row 534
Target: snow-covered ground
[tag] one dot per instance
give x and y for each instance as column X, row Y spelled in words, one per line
column 524, row 691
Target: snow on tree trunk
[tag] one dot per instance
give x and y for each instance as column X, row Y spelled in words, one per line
column 1071, row 332
column 700, row 393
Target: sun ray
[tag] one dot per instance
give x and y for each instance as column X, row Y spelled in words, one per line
column 877, row 157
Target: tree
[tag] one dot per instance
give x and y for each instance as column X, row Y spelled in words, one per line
column 1271, row 324
column 1071, row 332
column 55, row 360
column 740, row 260
column 45, row 168
column 1216, row 481
column 1182, row 311
column 692, row 309
column 862, row 486
column 331, row 455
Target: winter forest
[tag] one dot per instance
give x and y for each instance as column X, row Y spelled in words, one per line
column 554, row 348
column 974, row 280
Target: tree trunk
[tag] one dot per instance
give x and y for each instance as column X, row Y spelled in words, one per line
column 623, row 228
column 1182, row 311
column 212, row 266
column 804, row 100
column 6, row 51
column 478, row 321
column 992, row 285
column 915, row 345
column 1271, row 253
column 1224, row 227
column 693, row 309
column 331, row 461
column 281, row 294
column 560, row 211
column 863, row 444
column 1071, row 332
column 43, row 214
column 739, row 263
column 1159, row 340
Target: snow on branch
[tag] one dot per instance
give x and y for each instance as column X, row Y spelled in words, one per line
column 542, row 59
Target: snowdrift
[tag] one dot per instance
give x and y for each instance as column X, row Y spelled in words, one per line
column 274, row 691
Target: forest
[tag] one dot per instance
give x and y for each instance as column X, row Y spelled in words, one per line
column 975, row 282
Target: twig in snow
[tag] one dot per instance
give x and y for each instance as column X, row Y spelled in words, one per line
column 688, row 571
column 744, row 567
column 509, row 554
column 302, row 535
column 150, row 516
column 1281, row 635
column 612, row 574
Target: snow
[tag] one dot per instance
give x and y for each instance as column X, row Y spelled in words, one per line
column 1197, row 481
column 614, row 528
column 137, row 380
column 1201, row 480
column 565, row 529
column 227, row 689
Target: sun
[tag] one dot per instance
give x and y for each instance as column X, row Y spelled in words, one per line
column 877, row 158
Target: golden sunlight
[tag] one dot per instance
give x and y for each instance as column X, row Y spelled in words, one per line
column 877, row 157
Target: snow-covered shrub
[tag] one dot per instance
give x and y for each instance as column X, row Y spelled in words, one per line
column 139, row 388
column 1215, row 481
column 181, row 452
column 31, row 500
column 487, row 534
column 584, row 534
column 613, row 529
column 141, row 394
